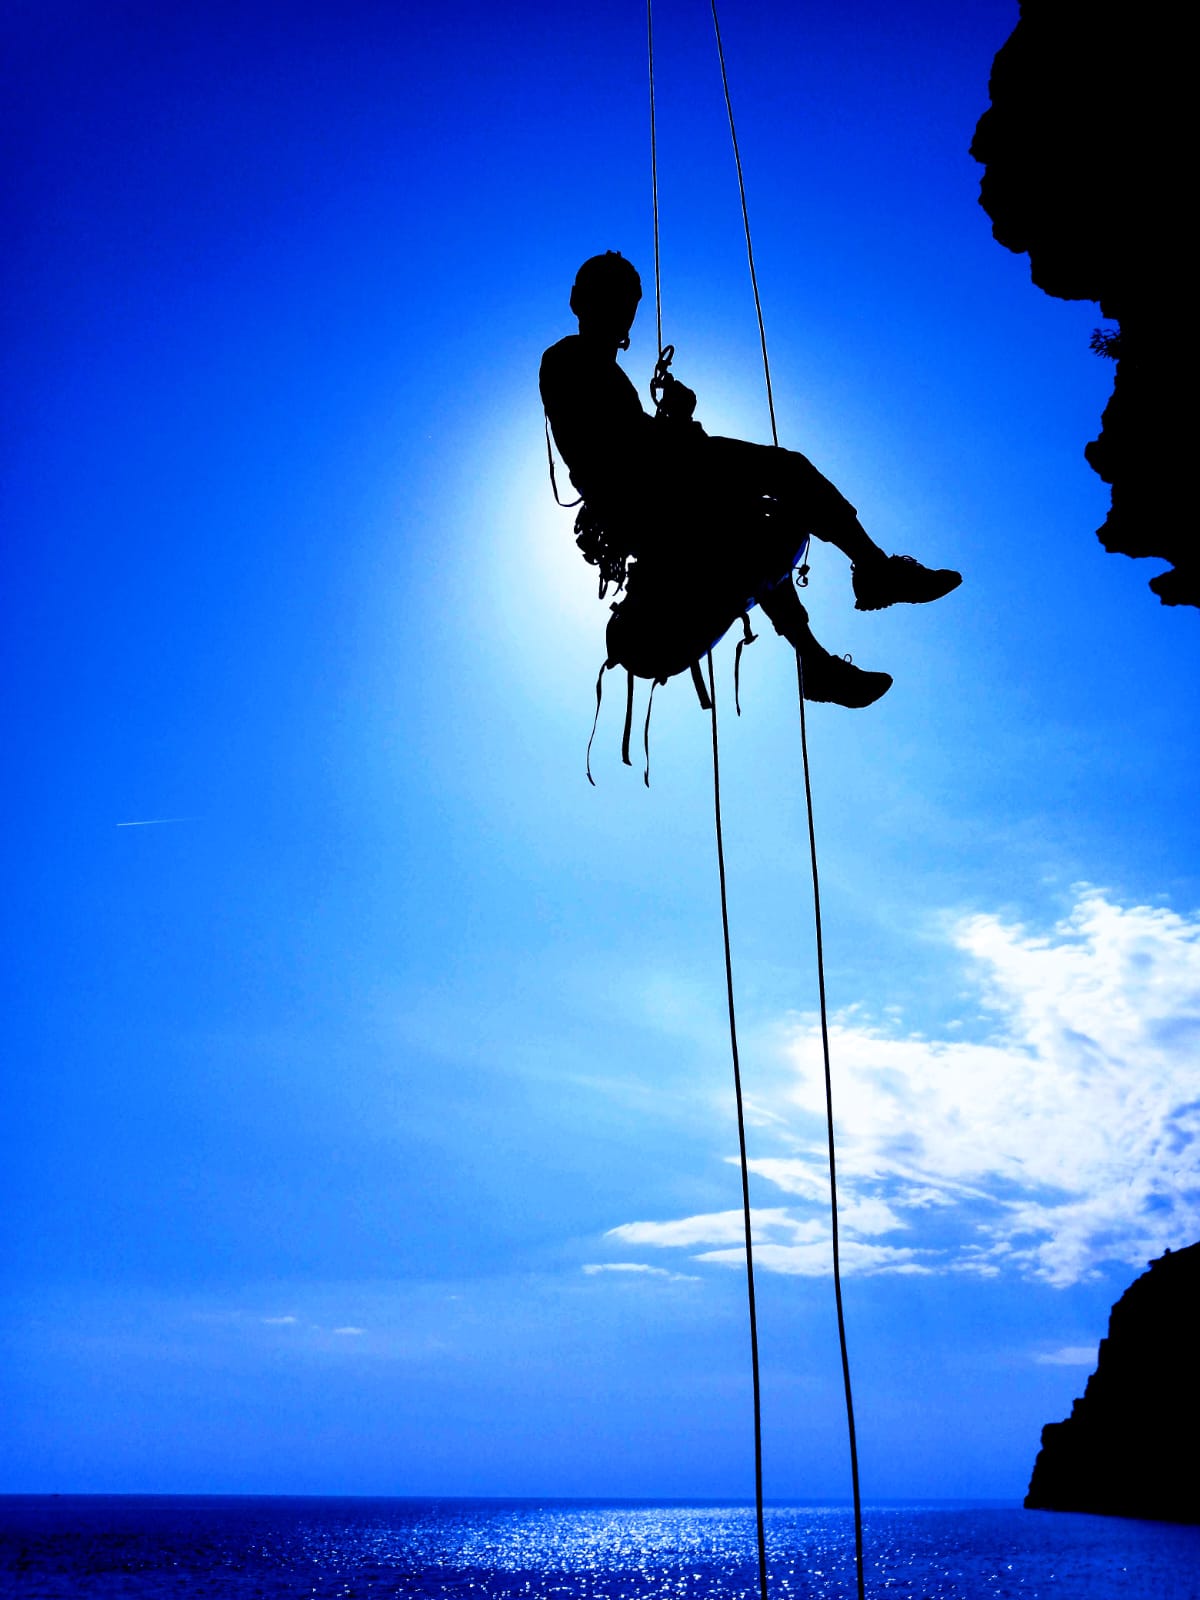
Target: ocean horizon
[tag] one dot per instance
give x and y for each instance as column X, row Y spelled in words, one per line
column 56, row 1546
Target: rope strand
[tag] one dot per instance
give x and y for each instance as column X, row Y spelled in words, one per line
column 833, row 1205
column 737, row 157
column 812, row 839
column 654, row 174
column 741, row 1123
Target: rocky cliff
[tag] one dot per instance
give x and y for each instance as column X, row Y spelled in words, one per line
column 1089, row 168
column 1129, row 1447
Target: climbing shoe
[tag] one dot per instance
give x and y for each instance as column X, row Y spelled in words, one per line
column 891, row 579
column 835, row 680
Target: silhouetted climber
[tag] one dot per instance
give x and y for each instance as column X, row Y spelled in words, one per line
column 712, row 525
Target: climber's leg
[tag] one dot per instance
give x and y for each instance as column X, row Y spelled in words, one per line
column 827, row 678
column 809, row 502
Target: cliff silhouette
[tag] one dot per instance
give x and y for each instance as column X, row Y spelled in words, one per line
column 1128, row 1449
column 1088, row 170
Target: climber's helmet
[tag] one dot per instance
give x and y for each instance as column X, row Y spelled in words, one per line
column 605, row 296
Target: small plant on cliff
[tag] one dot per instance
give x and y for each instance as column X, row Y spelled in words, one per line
column 1106, row 342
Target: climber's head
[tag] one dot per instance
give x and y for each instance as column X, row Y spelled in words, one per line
column 605, row 297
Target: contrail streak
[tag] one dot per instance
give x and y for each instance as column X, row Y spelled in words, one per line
column 156, row 822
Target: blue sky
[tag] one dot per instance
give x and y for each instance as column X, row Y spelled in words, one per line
column 368, row 1121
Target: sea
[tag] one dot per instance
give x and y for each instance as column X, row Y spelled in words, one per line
column 58, row 1547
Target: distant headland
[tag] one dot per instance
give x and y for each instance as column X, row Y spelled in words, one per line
column 1128, row 1449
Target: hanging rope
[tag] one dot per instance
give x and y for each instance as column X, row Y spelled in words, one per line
column 737, row 157
column 741, row 1123
column 654, row 175
column 833, row 1203
column 812, row 840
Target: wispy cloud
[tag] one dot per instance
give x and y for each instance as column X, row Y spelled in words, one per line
column 278, row 1322
column 639, row 1269
column 349, row 1331
column 812, row 1260
column 1065, row 1136
column 716, row 1227
column 1075, row 1355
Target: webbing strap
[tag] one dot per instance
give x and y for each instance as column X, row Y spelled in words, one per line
column 565, row 504
column 701, row 691
column 747, row 638
column 595, row 721
column 625, row 737
column 646, row 731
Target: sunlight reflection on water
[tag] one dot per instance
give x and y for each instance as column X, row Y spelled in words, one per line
column 51, row 1549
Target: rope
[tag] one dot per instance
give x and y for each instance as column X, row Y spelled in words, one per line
column 654, row 174
column 812, row 840
column 741, row 1122
column 737, row 157
column 833, row 1206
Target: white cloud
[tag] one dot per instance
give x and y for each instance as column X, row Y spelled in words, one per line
column 1075, row 1355
column 640, row 1269
column 715, row 1227
column 350, row 1331
column 812, row 1260
column 278, row 1322
column 1068, row 1135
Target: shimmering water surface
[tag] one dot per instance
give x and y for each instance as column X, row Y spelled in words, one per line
column 260, row 1549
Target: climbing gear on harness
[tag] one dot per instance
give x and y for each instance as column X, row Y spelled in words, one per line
column 599, row 548
column 662, row 372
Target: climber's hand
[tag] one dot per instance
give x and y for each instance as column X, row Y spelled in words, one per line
column 678, row 401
